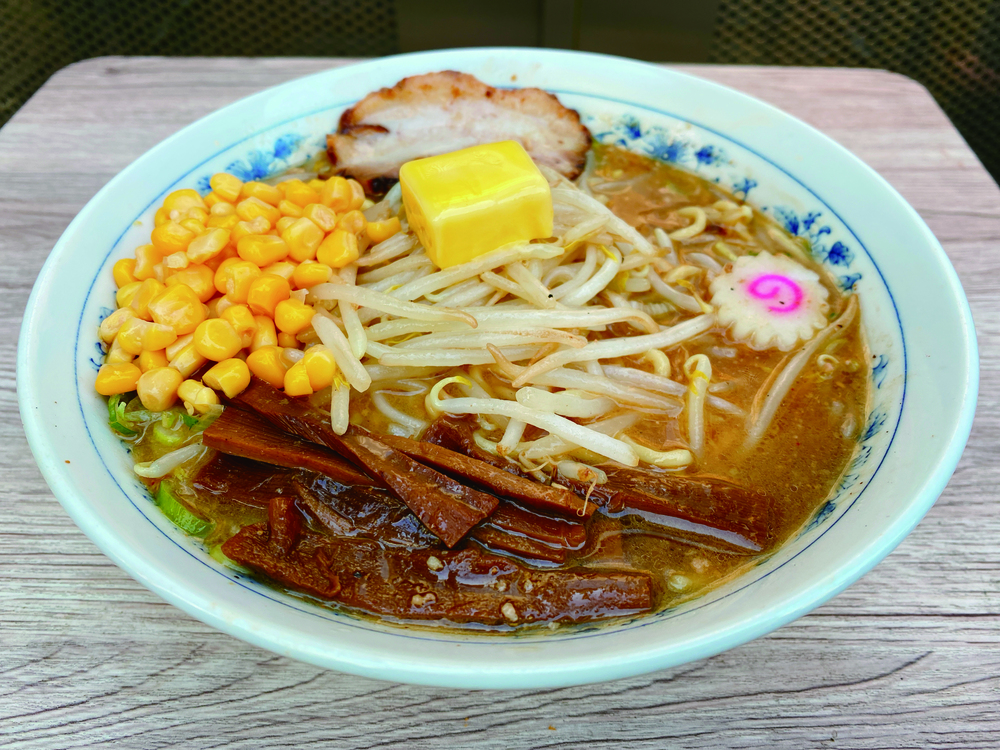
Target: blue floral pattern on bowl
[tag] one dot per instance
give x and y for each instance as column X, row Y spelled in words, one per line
column 261, row 163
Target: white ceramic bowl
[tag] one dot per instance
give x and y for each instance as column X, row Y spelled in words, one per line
column 925, row 367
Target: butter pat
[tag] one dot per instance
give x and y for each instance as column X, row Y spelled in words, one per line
column 470, row 202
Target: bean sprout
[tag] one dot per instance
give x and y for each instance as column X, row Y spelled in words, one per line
column 675, row 459
column 604, row 445
column 441, row 279
column 334, row 339
column 511, row 437
column 412, row 425
column 568, row 403
column 340, row 407
column 363, row 297
column 168, row 462
column 699, row 371
column 621, row 347
column 776, row 387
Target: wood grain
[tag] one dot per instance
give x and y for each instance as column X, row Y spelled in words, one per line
column 908, row 657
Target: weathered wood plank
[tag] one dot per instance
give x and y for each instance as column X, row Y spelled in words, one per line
column 907, row 657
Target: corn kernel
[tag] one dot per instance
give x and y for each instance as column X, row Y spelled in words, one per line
column 282, row 268
column 182, row 200
column 316, row 184
column 284, row 222
column 176, row 261
column 241, row 319
column 222, row 273
column 199, row 278
column 156, row 337
column 296, row 381
column 266, row 292
column 130, row 335
column 113, row 323
column 353, row 222
column 357, row 195
column 228, row 221
column 236, row 279
column 157, row 388
column 288, row 341
column 149, row 289
column 216, row 339
column 264, row 333
column 226, row 186
column 207, row 245
column 299, row 193
column 259, row 226
column 146, row 257
column 198, row 214
column 173, row 349
column 266, row 364
column 162, row 216
column 338, row 249
column 212, row 199
column 380, row 231
column 249, row 209
column 308, row 274
column 262, row 192
column 193, row 225
column 124, row 296
column 222, row 208
column 188, row 360
column 205, row 400
column 149, row 360
column 171, row 237
column 292, row 316
column 302, row 237
column 161, row 272
column 188, row 390
column 116, row 355
column 229, row 251
column 179, row 308
column 322, row 216
column 213, row 306
column 123, row 272
column 321, row 367
column 120, row 378
column 336, row 194
column 262, row 250
column 288, row 208
column 231, row 376
column 196, row 397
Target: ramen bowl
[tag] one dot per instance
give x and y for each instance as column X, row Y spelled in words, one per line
column 916, row 320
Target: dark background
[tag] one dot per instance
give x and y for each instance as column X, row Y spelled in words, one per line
column 953, row 48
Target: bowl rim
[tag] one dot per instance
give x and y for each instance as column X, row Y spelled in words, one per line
column 809, row 597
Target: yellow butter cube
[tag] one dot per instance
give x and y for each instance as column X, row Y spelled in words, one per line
column 470, row 202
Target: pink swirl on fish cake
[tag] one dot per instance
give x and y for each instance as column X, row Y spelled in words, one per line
column 784, row 293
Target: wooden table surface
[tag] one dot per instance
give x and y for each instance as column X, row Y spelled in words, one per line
column 908, row 657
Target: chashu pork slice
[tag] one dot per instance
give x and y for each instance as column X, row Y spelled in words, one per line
column 437, row 113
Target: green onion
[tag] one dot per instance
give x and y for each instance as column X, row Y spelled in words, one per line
column 168, row 437
column 178, row 514
column 116, row 417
